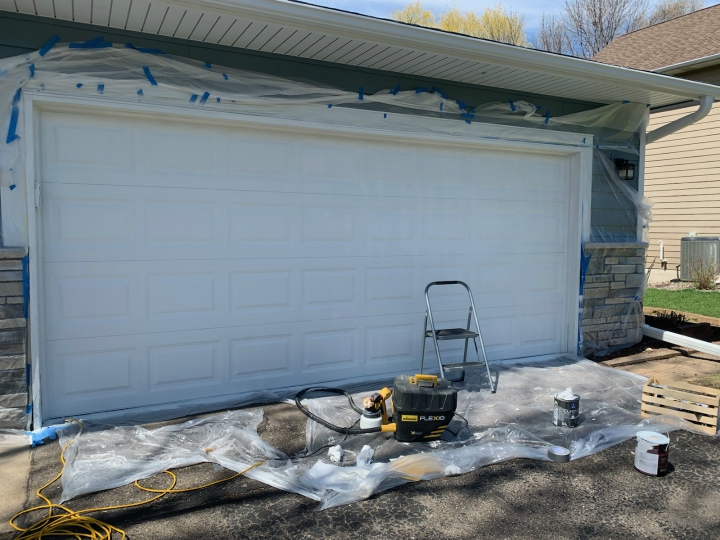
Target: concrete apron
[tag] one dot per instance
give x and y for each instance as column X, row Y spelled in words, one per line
column 14, row 474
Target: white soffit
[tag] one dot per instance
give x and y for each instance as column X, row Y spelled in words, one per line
column 318, row 33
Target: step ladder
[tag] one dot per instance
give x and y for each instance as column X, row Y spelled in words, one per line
column 455, row 333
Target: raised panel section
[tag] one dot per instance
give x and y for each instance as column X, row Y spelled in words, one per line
column 390, row 225
column 177, row 295
column 181, row 152
column 181, row 222
column 265, row 157
column 495, row 279
column 389, row 285
column 92, row 299
column 446, row 225
column 182, row 365
column 89, row 221
column 98, row 372
column 328, row 224
column 264, row 290
column 539, row 329
column 328, row 288
column 324, row 350
column 330, row 162
column 260, row 355
column 390, row 344
column 259, row 223
column 541, row 278
column 93, row 146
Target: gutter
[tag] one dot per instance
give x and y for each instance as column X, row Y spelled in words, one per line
column 392, row 33
column 688, row 65
column 683, row 341
column 706, row 103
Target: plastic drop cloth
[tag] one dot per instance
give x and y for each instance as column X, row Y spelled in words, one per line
column 513, row 423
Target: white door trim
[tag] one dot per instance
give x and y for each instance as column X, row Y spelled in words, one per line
column 580, row 158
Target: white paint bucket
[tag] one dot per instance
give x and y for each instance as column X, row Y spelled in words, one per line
column 651, row 453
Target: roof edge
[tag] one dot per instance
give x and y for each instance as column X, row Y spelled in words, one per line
column 689, row 65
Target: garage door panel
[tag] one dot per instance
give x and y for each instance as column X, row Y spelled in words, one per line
column 174, row 154
column 193, row 260
column 121, row 222
column 114, row 298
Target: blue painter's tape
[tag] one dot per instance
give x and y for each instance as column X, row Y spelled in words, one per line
column 329, row 105
column 101, row 88
column 625, row 101
column 14, row 115
column 395, row 90
column 225, row 76
column 584, row 140
column 208, row 65
column 41, row 436
column 441, row 106
column 49, row 45
column 538, row 107
column 512, row 105
column 217, row 99
column 26, row 284
column 384, row 115
column 547, row 116
column 12, row 186
column 147, row 50
column 79, row 85
column 360, row 93
column 193, row 98
column 140, row 92
column 440, row 93
column 96, row 43
column 468, row 116
column 421, row 90
column 149, row 76
column 204, row 98
column 27, row 374
column 647, row 105
column 462, row 105
column 32, row 71
column 584, row 264
column 28, row 409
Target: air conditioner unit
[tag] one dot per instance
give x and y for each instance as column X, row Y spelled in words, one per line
column 694, row 248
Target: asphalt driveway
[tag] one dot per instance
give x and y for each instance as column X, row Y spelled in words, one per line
column 601, row 496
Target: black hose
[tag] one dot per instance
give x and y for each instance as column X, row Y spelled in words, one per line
column 339, row 429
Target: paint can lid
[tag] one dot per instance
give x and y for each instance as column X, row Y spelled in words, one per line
column 567, row 395
column 653, row 437
column 559, row 454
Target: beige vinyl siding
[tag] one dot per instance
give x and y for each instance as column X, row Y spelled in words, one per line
column 682, row 178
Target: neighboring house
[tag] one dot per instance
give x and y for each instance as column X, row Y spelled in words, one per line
column 682, row 171
column 192, row 243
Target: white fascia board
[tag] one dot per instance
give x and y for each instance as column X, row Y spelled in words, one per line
column 689, row 65
column 355, row 26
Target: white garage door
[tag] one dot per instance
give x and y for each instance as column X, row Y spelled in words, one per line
column 188, row 260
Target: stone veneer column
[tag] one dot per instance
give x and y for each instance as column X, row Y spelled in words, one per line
column 13, row 386
column 612, row 314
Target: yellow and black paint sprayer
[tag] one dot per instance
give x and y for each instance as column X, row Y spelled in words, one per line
column 422, row 407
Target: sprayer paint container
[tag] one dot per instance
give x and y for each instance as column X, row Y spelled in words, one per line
column 567, row 409
column 651, row 453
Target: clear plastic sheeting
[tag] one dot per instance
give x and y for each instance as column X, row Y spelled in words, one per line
column 97, row 71
column 516, row 422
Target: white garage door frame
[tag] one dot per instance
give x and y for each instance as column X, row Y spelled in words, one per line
column 531, row 141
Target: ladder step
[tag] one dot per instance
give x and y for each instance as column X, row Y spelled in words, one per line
column 463, row 366
column 452, row 333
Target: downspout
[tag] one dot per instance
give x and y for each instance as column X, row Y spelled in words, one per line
column 706, row 103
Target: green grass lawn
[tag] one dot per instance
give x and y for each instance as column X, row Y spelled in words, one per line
column 688, row 300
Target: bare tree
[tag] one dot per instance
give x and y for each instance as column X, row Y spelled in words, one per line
column 671, row 9
column 552, row 35
column 592, row 24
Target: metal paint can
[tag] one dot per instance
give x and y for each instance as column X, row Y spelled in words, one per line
column 567, row 409
column 651, row 453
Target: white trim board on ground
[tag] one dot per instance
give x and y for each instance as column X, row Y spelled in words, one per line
column 172, row 268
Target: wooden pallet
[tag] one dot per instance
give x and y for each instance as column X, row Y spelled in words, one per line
column 696, row 404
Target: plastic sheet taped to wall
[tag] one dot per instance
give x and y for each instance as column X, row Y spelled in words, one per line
column 516, row 422
column 100, row 72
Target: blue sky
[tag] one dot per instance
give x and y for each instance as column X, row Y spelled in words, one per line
column 531, row 9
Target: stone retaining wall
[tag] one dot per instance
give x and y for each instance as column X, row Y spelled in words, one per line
column 612, row 315
column 13, row 386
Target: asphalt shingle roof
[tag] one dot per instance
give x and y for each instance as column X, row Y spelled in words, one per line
column 691, row 36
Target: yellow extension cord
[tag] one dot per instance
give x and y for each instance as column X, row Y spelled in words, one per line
column 76, row 524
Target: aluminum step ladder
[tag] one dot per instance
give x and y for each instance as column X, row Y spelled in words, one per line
column 455, row 333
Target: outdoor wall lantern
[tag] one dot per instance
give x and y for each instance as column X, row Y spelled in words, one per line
column 626, row 170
